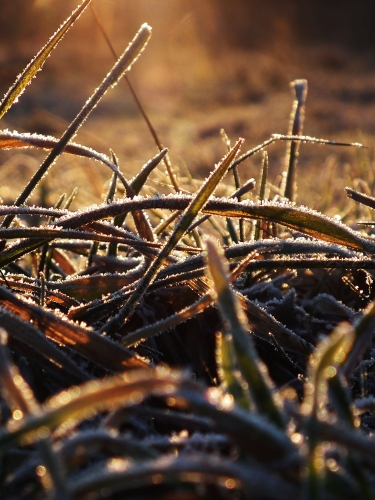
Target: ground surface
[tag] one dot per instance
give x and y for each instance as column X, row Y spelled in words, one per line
column 246, row 93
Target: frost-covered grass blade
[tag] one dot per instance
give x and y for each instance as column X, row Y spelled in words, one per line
column 36, row 64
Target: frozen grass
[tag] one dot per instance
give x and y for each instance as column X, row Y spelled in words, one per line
column 211, row 339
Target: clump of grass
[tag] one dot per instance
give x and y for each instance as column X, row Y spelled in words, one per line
column 272, row 316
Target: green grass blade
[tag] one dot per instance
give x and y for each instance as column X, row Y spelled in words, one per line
column 251, row 367
column 229, row 375
column 36, row 64
column 331, row 352
column 253, row 434
column 363, row 334
column 323, row 364
column 196, row 204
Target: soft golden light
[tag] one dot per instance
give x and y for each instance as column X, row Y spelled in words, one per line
column 157, row 478
column 41, row 470
column 230, row 484
column 319, row 463
column 296, row 438
column 17, row 415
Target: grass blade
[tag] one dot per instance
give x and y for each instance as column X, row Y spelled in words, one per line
column 301, row 219
column 99, row 350
column 17, row 393
column 12, row 140
column 31, row 341
column 295, row 138
column 140, row 179
column 262, row 192
column 124, row 63
column 365, row 199
column 37, row 62
column 140, row 106
column 75, row 404
column 251, row 367
column 121, row 476
column 196, row 204
column 229, row 375
column 363, row 333
column 323, row 364
column 296, row 128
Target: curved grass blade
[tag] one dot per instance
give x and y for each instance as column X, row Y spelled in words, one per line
column 330, row 353
column 77, row 403
column 40, row 236
column 30, row 340
column 123, row 64
column 301, row 219
column 81, row 446
column 100, row 350
column 196, row 204
column 120, row 476
column 36, row 64
column 12, row 140
column 237, row 331
column 95, row 286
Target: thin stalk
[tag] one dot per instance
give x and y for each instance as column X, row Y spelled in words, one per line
column 123, row 64
column 151, row 128
column 295, row 128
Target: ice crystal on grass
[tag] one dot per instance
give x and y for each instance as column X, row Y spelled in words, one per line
column 272, row 359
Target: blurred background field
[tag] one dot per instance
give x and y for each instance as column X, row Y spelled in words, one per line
column 211, row 64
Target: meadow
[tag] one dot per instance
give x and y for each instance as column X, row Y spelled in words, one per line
column 186, row 309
